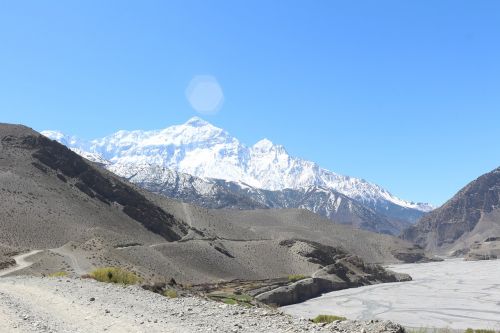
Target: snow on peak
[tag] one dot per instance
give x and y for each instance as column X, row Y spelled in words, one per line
column 203, row 150
column 263, row 145
column 197, row 122
column 53, row 135
column 70, row 141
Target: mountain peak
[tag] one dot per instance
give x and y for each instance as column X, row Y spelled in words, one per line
column 264, row 144
column 196, row 122
column 54, row 135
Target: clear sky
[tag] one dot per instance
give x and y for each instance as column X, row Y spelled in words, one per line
column 405, row 94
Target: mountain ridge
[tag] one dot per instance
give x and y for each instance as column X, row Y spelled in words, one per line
column 203, row 150
column 223, row 194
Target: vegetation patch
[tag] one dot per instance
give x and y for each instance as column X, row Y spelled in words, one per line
column 59, row 274
column 470, row 330
column 170, row 293
column 327, row 319
column 229, row 301
column 232, row 299
column 115, row 275
column 296, row 277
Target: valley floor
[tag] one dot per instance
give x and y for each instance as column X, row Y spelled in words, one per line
column 34, row 304
column 455, row 293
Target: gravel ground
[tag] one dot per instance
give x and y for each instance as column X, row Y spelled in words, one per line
column 33, row 304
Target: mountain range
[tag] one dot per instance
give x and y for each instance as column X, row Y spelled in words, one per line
column 199, row 163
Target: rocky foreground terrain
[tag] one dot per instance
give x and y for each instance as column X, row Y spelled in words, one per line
column 33, row 304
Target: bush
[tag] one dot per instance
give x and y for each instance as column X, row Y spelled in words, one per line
column 229, row 301
column 114, row 275
column 59, row 274
column 470, row 330
column 229, row 298
column 170, row 293
column 296, row 277
column 327, row 319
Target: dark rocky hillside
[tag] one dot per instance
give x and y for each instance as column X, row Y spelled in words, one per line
column 68, row 166
column 470, row 216
column 50, row 195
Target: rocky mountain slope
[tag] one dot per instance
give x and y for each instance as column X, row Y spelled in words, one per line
column 50, row 195
column 218, row 193
column 81, row 216
column 471, row 217
column 203, row 150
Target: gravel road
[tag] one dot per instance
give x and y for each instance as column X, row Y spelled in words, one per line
column 21, row 262
column 34, row 304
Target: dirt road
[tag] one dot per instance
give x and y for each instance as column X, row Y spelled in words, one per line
column 21, row 262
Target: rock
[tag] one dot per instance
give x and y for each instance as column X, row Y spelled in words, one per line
column 340, row 271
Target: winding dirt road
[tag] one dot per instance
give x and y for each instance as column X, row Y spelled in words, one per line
column 21, row 262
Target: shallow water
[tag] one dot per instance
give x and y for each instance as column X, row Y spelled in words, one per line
column 454, row 293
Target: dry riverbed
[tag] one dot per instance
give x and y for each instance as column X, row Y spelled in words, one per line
column 454, row 294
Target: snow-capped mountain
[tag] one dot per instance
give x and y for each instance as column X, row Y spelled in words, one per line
column 218, row 193
column 200, row 149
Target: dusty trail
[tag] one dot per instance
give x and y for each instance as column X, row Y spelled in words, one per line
column 21, row 262
column 68, row 253
column 30, row 308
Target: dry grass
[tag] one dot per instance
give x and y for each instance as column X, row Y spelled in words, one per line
column 470, row 330
column 170, row 293
column 296, row 277
column 114, row 275
column 327, row 319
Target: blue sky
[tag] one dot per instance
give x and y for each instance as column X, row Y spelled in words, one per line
column 404, row 94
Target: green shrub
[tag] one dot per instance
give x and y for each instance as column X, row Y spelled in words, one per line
column 170, row 293
column 230, row 298
column 114, row 275
column 327, row 319
column 470, row 330
column 229, row 301
column 296, row 277
column 59, row 274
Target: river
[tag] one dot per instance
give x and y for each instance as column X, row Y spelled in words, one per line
column 454, row 293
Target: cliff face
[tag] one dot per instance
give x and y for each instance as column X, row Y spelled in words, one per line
column 468, row 216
